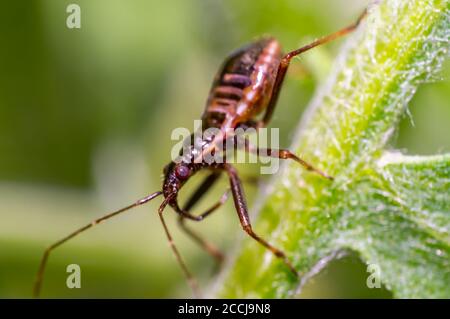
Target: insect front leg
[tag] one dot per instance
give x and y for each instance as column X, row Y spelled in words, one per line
column 196, row 196
column 241, row 208
column 189, row 277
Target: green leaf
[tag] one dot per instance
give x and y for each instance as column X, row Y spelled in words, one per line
column 394, row 211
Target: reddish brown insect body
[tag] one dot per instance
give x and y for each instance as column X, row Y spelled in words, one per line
column 247, row 84
column 243, row 87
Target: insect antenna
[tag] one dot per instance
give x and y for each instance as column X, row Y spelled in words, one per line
column 40, row 275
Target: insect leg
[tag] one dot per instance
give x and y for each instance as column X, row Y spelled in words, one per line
column 241, row 207
column 209, row 181
column 207, row 246
column 190, row 279
column 40, row 274
column 327, row 38
column 283, row 154
column 201, row 190
column 284, row 64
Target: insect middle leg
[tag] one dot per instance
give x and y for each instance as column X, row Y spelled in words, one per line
column 184, row 214
column 283, row 154
column 285, row 61
column 241, row 207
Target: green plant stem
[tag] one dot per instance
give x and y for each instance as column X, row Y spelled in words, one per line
column 373, row 207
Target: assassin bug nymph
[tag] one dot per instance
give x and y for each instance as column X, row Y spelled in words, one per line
column 248, row 82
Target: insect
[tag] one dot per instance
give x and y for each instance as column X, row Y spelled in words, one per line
column 247, row 84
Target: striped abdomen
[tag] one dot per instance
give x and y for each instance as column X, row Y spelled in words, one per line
column 243, row 85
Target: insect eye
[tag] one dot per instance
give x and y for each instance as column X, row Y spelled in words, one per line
column 182, row 172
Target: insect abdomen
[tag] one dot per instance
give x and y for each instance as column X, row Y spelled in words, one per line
column 242, row 82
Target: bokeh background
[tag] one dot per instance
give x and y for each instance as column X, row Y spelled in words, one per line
column 85, row 122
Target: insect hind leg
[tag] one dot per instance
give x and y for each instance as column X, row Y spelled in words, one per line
column 285, row 61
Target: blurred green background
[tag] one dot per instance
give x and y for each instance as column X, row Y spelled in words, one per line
column 85, row 122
